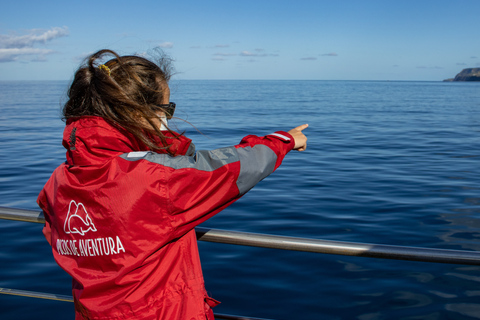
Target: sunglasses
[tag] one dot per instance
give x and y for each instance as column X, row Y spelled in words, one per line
column 169, row 109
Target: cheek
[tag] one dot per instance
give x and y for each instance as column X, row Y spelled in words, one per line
column 166, row 96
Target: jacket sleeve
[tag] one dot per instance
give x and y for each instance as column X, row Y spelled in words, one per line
column 202, row 185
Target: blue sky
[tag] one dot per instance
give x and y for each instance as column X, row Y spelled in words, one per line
column 260, row 39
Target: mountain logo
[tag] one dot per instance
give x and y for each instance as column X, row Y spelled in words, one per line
column 78, row 220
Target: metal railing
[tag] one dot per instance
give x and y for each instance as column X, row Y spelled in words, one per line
column 276, row 242
column 302, row 244
column 60, row 297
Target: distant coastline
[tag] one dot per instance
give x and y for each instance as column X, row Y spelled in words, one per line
column 469, row 74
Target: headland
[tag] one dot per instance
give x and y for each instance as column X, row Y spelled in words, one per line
column 469, row 74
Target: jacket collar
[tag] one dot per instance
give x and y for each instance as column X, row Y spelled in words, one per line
column 92, row 140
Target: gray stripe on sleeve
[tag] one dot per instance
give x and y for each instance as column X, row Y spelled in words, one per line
column 256, row 163
column 202, row 160
column 212, row 160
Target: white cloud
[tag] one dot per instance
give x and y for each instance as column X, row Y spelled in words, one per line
column 248, row 54
column 309, row 58
column 166, row 45
column 12, row 46
column 35, row 36
column 11, row 54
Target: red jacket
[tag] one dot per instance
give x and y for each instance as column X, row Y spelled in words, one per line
column 121, row 220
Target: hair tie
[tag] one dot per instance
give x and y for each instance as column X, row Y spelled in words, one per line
column 104, row 67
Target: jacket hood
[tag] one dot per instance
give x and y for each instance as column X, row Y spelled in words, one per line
column 92, row 140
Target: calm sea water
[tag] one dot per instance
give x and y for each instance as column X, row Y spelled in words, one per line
column 388, row 162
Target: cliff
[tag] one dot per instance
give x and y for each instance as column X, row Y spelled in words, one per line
column 470, row 74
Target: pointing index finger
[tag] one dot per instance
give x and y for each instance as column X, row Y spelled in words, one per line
column 302, row 127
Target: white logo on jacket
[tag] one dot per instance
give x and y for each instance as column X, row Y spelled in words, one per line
column 78, row 220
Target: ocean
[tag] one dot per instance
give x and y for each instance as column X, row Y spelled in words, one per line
column 387, row 162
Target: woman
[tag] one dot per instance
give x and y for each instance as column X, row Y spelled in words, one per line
column 120, row 212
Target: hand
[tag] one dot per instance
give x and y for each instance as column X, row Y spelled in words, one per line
column 299, row 137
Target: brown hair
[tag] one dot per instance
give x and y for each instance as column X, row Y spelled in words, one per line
column 123, row 91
